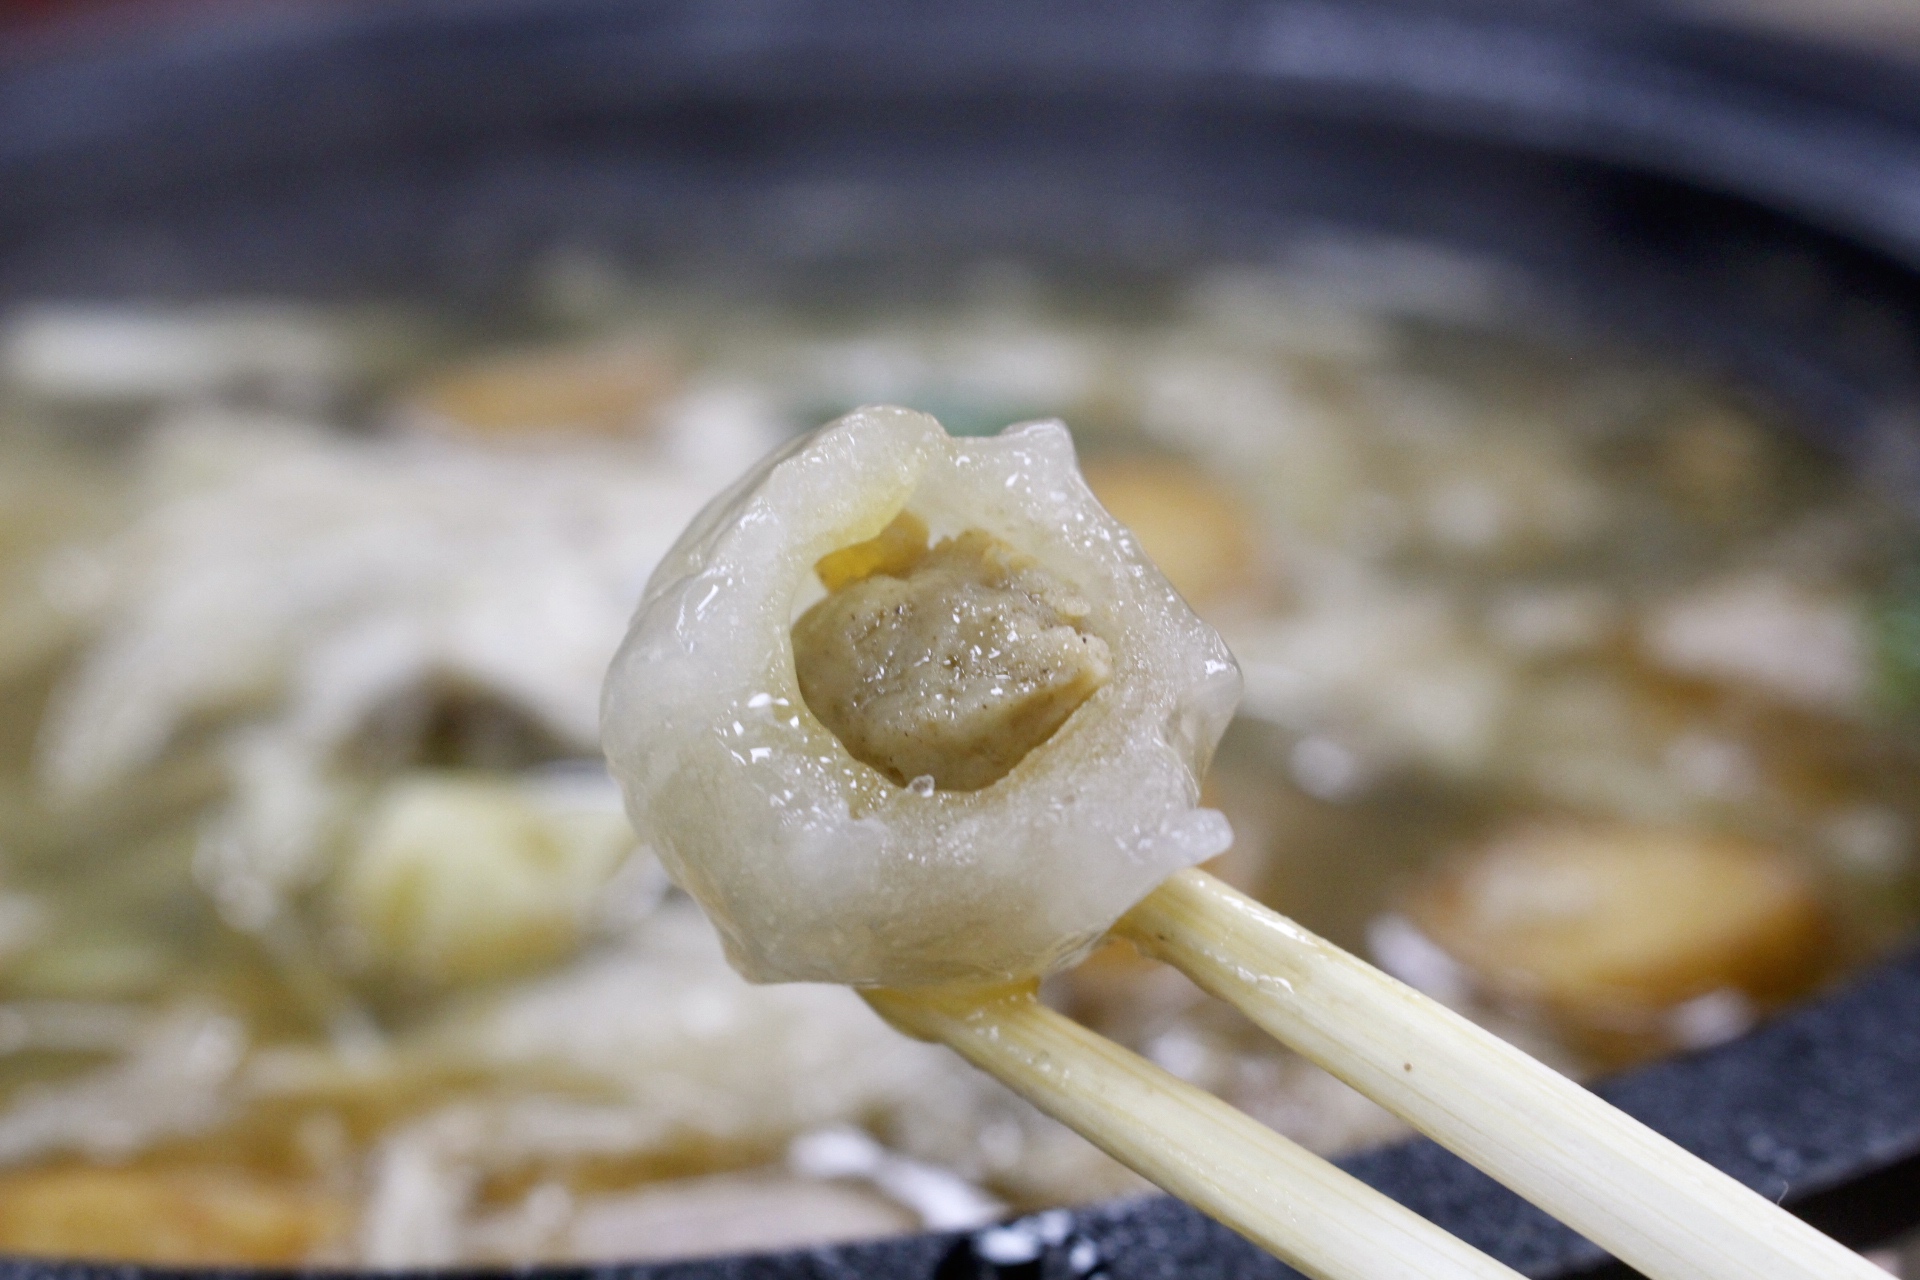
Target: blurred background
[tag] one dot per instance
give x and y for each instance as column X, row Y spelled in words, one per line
column 1528, row 393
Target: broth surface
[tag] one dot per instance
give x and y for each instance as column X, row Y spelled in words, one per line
column 1579, row 693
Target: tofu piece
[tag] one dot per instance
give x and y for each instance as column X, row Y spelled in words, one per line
column 180, row 1217
column 1617, row 926
column 1199, row 534
column 603, row 388
column 951, row 665
column 460, row 878
column 1766, row 633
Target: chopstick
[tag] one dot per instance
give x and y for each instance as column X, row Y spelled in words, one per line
column 1656, row 1207
column 1318, row 1218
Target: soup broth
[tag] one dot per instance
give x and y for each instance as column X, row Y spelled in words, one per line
column 1579, row 693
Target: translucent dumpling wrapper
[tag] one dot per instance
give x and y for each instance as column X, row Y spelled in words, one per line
column 816, row 865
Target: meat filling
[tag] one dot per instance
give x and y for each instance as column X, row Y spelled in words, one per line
column 950, row 662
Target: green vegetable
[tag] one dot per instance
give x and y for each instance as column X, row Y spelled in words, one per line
column 1895, row 620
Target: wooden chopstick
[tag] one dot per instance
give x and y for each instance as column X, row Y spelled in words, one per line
column 1656, row 1207
column 1319, row 1219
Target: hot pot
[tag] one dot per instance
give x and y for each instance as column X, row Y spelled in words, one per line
column 1748, row 200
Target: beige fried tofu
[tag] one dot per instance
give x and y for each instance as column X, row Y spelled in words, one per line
column 1199, row 534
column 1616, row 926
column 951, row 662
column 600, row 387
column 183, row 1217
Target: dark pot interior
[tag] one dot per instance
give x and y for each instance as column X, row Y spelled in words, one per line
column 1744, row 202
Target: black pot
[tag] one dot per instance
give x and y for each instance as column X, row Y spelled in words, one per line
column 1748, row 203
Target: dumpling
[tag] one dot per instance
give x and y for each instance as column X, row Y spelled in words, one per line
column 902, row 709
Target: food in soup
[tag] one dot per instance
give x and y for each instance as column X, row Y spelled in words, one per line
column 1577, row 691
column 1620, row 932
